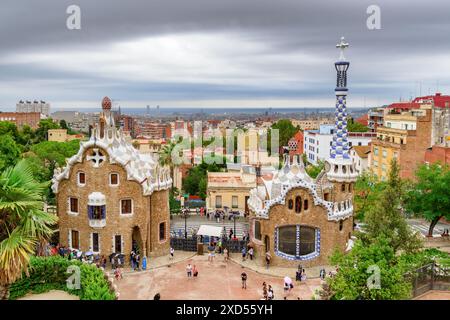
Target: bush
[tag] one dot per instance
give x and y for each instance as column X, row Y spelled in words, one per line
column 49, row 273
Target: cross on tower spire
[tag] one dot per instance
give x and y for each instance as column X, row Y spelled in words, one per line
column 342, row 46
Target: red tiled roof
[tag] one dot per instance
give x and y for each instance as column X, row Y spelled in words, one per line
column 298, row 136
column 364, row 120
column 438, row 99
column 404, row 105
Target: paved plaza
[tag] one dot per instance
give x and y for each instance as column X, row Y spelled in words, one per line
column 216, row 281
column 434, row 295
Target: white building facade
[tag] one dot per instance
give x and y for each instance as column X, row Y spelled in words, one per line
column 318, row 142
column 33, row 106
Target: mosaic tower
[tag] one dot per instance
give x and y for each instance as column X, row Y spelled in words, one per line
column 339, row 165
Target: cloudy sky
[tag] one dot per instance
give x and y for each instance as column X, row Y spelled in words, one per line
column 227, row 53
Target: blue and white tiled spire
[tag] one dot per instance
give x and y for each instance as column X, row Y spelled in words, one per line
column 340, row 147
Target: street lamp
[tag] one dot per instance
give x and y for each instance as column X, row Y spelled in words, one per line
column 185, row 223
column 234, row 222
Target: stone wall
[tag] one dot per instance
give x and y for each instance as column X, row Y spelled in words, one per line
column 97, row 180
column 316, row 216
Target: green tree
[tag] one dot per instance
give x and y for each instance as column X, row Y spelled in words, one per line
column 202, row 187
column 45, row 156
column 174, row 204
column 26, row 138
column 195, row 182
column 9, row 151
column 53, row 152
column 355, row 268
column 23, row 223
column 166, row 157
column 367, row 192
column 353, row 126
column 429, row 196
column 10, row 128
column 286, row 131
column 385, row 217
column 63, row 124
column 313, row 171
column 43, row 127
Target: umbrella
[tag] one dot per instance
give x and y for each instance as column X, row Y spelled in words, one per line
column 89, row 253
column 287, row 280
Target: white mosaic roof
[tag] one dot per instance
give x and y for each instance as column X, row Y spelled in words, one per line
column 290, row 176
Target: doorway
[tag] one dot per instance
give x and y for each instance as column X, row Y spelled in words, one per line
column 75, row 240
column 136, row 240
column 267, row 243
column 118, row 243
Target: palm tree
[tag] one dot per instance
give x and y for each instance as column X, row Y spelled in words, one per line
column 165, row 157
column 23, row 223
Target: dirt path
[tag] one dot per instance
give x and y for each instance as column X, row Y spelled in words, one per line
column 51, row 295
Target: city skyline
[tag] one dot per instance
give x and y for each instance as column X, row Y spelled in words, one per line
column 219, row 55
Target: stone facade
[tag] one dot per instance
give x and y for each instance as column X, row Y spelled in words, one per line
column 108, row 200
column 407, row 146
column 330, row 235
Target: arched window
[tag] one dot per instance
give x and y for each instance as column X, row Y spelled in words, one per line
column 305, row 204
column 297, row 241
column 290, row 204
column 343, row 187
column 298, row 204
column 287, row 240
column 341, row 224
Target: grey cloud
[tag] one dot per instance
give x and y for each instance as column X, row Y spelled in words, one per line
column 414, row 30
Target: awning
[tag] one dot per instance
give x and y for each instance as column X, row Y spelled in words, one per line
column 207, row 230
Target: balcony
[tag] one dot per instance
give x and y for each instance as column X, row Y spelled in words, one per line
column 97, row 223
column 97, row 210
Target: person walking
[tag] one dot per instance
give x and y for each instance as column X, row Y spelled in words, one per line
column 244, row 253
column 118, row 273
column 244, row 280
column 270, row 295
column 225, row 254
column 189, row 270
column 298, row 275
column 322, row 274
column 250, row 253
column 172, row 251
column 265, row 294
column 195, row 271
column 268, row 257
column 132, row 260
column 137, row 262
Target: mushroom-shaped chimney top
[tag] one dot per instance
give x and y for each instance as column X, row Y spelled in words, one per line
column 106, row 103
